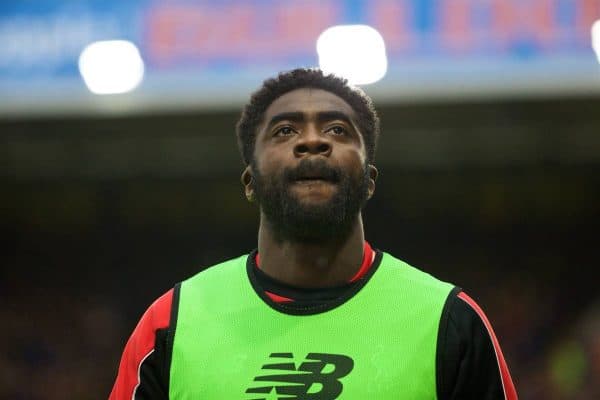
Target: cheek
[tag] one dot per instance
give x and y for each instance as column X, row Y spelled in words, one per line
column 268, row 163
column 354, row 160
column 270, row 167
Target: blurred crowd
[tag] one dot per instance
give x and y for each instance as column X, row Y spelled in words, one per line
column 54, row 346
column 552, row 356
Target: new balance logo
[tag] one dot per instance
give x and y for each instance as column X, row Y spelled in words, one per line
column 316, row 378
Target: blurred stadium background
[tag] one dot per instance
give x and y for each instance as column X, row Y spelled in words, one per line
column 489, row 160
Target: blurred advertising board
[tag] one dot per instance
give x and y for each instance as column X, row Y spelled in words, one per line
column 211, row 54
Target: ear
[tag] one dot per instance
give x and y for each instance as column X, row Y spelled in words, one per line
column 373, row 174
column 247, row 180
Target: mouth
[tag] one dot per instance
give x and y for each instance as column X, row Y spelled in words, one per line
column 313, row 173
column 311, row 179
column 312, row 183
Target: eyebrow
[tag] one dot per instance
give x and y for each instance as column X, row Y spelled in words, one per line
column 322, row 116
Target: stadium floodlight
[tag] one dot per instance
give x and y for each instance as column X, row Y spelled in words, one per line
column 596, row 38
column 355, row 52
column 111, row 66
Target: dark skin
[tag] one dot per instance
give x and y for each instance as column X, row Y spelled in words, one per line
column 310, row 123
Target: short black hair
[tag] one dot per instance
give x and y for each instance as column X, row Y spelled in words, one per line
column 273, row 88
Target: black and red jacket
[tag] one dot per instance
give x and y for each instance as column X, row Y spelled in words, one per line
column 469, row 361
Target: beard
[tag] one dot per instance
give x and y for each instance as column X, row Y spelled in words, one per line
column 294, row 220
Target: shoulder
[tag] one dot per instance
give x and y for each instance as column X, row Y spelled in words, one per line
column 144, row 353
column 413, row 279
column 156, row 317
column 218, row 271
column 158, row 314
column 470, row 362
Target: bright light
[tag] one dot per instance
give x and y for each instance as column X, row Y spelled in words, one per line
column 355, row 52
column 596, row 38
column 111, row 67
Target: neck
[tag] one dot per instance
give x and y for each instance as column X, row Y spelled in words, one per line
column 311, row 265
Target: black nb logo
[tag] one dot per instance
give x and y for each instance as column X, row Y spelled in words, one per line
column 317, row 378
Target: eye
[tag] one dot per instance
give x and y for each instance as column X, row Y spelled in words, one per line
column 284, row 131
column 338, row 130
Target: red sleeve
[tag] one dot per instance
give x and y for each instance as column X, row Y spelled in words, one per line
column 507, row 384
column 140, row 346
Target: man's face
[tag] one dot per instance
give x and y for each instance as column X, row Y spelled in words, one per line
column 309, row 170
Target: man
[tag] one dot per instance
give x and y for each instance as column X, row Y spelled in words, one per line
column 314, row 312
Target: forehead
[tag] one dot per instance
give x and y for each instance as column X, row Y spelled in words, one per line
column 309, row 101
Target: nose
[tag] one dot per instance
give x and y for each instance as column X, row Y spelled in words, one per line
column 312, row 142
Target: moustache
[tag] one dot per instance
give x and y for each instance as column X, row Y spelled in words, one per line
column 315, row 169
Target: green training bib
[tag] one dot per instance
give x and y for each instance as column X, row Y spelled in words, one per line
column 379, row 344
